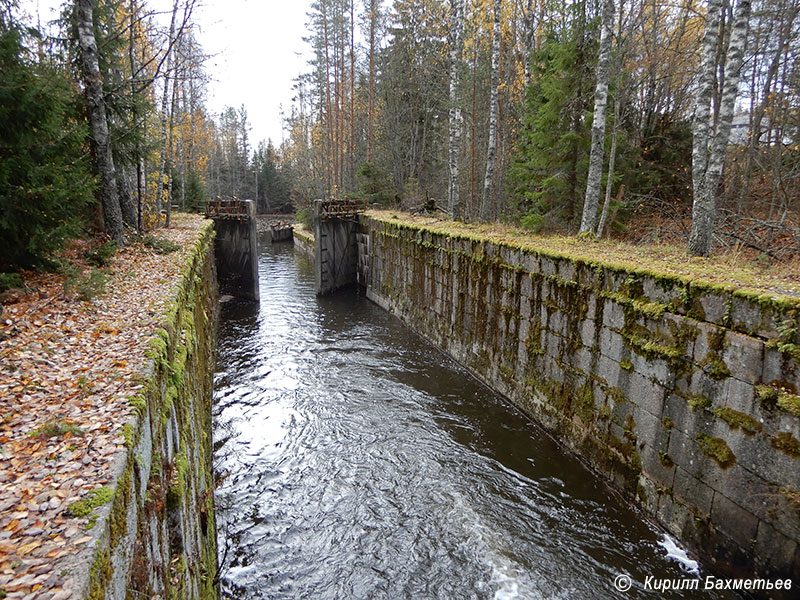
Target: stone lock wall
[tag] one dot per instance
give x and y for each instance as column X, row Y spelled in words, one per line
column 304, row 241
column 158, row 534
column 684, row 395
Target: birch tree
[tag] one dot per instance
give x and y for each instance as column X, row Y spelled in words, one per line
column 165, row 110
column 98, row 122
column 612, row 154
column 710, row 143
column 456, row 50
column 491, row 152
column 597, row 152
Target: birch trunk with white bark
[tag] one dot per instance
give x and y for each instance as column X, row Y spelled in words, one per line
column 491, row 153
column 710, row 145
column 597, row 152
column 456, row 48
column 612, row 155
column 90, row 65
column 165, row 107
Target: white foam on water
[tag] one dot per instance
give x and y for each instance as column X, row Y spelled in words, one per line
column 676, row 553
column 506, row 574
column 507, row 577
column 238, row 574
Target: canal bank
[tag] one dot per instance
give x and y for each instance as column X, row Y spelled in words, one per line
column 105, row 462
column 682, row 394
column 357, row 460
column 156, row 536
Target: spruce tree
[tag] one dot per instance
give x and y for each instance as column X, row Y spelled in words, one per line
column 548, row 168
column 45, row 183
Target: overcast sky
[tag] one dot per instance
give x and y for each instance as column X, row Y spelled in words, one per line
column 256, row 46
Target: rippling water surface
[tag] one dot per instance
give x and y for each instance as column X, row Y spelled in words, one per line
column 360, row 462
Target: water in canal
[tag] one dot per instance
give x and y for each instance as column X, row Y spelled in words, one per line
column 360, row 462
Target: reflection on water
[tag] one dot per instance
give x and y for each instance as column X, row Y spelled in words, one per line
column 360, row 462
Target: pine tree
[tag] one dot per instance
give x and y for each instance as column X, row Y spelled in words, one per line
column 274, row 194
column 456, row 50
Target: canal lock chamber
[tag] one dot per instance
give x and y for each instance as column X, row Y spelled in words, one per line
column 357, row 460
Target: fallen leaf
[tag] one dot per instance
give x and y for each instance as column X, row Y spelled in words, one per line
column 28, row 548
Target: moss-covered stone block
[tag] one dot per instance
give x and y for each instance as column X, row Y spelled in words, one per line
column 786, row 443
column 716, row 449
column 739, row 420
column 743, row 356
column 714, row 304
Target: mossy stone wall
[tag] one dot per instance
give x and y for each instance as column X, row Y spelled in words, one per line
column 304, row 241
column 685, row 396
column 158, row 536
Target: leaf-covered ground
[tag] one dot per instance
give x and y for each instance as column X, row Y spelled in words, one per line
column 67, row 370
column 728, row 270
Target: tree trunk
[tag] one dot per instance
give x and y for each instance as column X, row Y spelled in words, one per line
column 610, row 177
column 135, row 116
column 757, row 114
column 112, row 212
column 708, row 153
column 491, row 153
column 342, row 77
column 529, row 40
column 165, row 106
column 472, row 201
column 331, row 176
column 373, row 17
column 597, row 152
column 126, row 201
column 456, row 43
column 618, row 96
column 352, row 134
column 701, row 126
column 170, row 134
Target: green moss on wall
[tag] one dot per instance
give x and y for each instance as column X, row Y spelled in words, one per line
column 118, row 519
column 181, row 354
column 786, row 443
column 717, row 449
column 666, row 460
column 713, row 365
column 100, row 575
column 738, row 420
column 637, row 306
column 780, row 397
column 84, row 507
column 652, row 349
column 616, row 394
column 790, row 403
column 493, row 295
column 792, row 351
column 695, row 401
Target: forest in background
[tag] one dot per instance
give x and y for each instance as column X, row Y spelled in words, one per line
column 650, row 119
column 486, row 108
column 105, row 125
